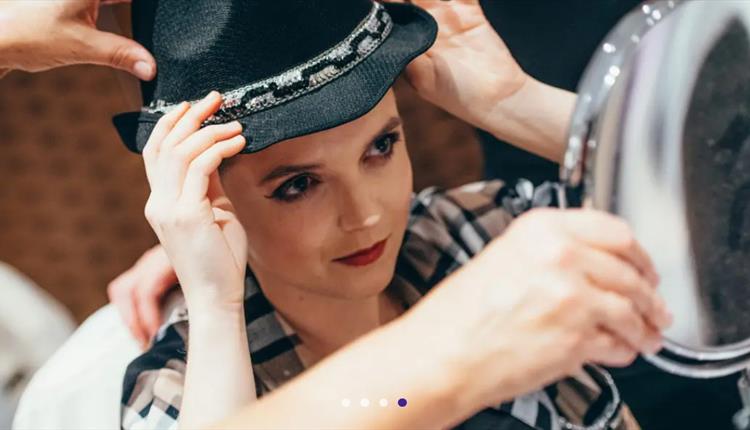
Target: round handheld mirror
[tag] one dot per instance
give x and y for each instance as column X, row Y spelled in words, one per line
column 661, row 137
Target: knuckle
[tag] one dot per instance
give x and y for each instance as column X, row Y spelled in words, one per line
column 566, row 295
column 182, row 218
column 149, row 211
column 119, row 56
column 561, row 253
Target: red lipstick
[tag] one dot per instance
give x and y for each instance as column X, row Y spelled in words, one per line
column 365, row 256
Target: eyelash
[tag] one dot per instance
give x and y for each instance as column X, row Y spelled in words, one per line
column 281, row 193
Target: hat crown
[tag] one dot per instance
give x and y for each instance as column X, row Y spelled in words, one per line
column 204, row 45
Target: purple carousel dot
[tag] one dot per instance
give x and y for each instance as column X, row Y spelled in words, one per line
column 402, row 402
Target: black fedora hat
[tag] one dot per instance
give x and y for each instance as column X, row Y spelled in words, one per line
column 284, row 67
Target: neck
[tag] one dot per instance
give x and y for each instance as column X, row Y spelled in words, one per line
column 325, row 324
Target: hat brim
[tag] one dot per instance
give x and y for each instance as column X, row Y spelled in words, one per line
column 338, row 102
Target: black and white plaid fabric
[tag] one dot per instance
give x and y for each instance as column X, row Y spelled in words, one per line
column 445, row 230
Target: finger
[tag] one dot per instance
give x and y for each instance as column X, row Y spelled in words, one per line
column 609, row 272
column 618, row 315
column 143, row 337
column 158, row 134
column 109, row 49
column 149, row 309
column 193, row 119
column 606, row 349
column 198, row 142
column 119, row 292
column 177, row 159
column 609, row 233
column 200, row 170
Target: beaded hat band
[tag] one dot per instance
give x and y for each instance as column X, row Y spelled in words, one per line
column 293, row 83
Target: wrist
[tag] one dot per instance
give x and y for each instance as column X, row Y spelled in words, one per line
column 209, row 312
column 535, row 118
column 438, row 368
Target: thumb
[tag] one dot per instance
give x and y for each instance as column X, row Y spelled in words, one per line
column 109, row 49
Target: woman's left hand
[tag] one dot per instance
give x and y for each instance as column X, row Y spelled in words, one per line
column 469, row 69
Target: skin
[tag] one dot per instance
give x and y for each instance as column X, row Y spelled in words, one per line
column 69, row 36
column 358, row 196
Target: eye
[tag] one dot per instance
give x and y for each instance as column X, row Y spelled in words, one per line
column 295, row 188
column 383, row 146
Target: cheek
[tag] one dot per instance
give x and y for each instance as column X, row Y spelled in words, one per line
column 400, row 186
column 285, row 238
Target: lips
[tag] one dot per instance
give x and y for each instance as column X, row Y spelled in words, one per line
column 365, row 256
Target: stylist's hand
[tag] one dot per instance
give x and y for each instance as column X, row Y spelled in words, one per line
column 188, row 210
column 137, row 293
column 41, row 35
column 557, row 290
column 469, row 68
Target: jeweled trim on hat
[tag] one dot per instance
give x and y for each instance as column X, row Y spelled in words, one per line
column 293, row 83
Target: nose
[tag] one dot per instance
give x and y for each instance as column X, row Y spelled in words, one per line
column 358, row 211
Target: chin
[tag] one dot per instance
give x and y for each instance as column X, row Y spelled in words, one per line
column 364, row 281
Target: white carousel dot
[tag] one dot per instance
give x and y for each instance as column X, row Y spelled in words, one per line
column 346, row 402
column 364, row 403
column 383, row 402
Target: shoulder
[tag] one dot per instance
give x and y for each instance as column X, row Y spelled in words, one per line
column 448, row 227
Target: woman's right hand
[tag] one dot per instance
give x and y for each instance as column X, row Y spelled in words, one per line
column 559, row 289
column 188, row 210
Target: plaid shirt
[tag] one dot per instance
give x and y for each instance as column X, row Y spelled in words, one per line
column 445, row 230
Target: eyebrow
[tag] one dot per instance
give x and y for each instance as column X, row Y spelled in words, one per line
column 290, row 169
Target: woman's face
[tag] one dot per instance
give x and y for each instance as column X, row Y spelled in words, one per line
column 326, row 212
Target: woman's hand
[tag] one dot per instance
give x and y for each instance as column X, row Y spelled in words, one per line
column 188, row 209
column 469, row 69
column 41, row 35
column 557, row 290
column 207, row 246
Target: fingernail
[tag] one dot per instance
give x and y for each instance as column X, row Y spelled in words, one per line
column 143, row 70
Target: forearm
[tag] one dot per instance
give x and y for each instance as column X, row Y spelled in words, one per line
column 535, row 119
column 393, row 362
column 219, row 378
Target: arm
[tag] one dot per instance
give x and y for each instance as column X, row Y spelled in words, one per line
column 470, row 73
column 207, row 246
column 391, row 362
column 219, row 377
column 534, row 119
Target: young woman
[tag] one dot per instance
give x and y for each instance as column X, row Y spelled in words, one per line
column 310, row 244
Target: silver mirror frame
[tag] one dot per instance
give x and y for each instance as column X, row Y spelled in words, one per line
column 591, row 156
